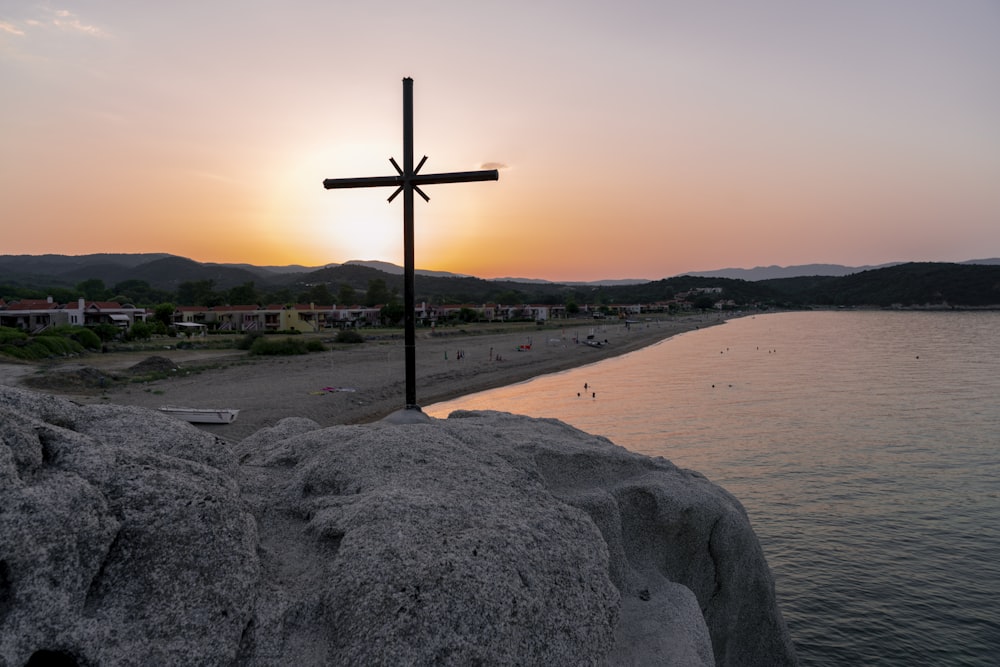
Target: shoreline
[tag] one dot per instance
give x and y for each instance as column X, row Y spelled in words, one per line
column 623, row 346
column 350, row 384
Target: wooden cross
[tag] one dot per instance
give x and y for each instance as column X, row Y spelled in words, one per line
column 408, row 180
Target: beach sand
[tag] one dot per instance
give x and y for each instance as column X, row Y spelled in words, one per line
column 350, row 384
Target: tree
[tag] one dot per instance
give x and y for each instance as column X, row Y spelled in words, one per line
column 244, row 295
column 318, row 294
column 198, row 293
column 107, row 331
column 704, row 302
column 392, row 313
column 572, row 308
column 346, row 296
column 139, row 292
column 140, row 331
column 63, row 295
column 164, row 313
column 92, row 289
column 377, row 292
column 510, row 297
column 282, row 295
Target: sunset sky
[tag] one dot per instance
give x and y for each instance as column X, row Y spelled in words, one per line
column 634, row 139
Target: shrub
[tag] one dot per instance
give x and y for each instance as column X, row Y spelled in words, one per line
column 349, row 336
column 107, row 332
column 247, row 341
column 140, row 331
column 87, row 338
column 280, row 347
column 10, row 334
column 81, row 335
column 52, row 346
column 315, row 346
column 16, row 351
column 41, row 347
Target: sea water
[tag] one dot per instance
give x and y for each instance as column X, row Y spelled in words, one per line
column 865, row 446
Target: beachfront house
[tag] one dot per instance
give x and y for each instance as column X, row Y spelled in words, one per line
column 306, row 318
column 239, row 318
column 623, row 310
column 106, row 312
column 193, row 315
column 37, row 315
column 32, row 315
column 450, row 311
column 539, row 312
column 354, row 316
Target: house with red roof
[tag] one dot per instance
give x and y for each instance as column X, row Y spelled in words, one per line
column 37, row 315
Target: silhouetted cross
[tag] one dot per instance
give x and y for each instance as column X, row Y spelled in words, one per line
column 408, row 181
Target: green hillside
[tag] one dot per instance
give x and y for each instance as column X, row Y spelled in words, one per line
column 150, row 279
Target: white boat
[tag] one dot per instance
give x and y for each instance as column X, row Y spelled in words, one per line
column 203, row 415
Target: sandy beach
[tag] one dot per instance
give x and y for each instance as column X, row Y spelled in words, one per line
column 347, row 384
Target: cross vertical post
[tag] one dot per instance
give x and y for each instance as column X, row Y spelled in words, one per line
column 408, row 181
column 409, row 292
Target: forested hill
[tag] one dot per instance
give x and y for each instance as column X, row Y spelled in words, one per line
column 148, row 280
column 912, row 284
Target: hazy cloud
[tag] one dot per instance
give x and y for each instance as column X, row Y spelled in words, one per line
column 61, row 19
column 493, row 165
column 67, row 20
column 10, row 28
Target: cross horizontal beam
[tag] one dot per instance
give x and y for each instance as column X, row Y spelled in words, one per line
column 417, row 179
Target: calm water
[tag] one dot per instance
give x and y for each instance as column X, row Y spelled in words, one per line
column 864, row 446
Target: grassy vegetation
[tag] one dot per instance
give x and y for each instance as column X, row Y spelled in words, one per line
column 227, row 341
column 153, row 376
column 82, row 335
column 248, row 340
column 284, row 346
column 59, row 342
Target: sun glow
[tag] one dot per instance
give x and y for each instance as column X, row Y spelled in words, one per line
column 321, row 226
column 360, row 224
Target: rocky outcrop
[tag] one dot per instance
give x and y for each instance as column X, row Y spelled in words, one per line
column 127, row 537
column 123, row 537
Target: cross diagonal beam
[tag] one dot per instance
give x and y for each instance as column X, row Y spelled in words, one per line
column 408, row 181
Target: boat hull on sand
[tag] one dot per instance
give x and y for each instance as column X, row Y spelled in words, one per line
column 203, row 415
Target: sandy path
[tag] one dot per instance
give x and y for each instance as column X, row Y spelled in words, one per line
column 369, row 377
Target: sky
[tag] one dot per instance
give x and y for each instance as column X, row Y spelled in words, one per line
column 633, row 139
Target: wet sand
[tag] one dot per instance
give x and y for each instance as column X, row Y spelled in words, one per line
column 351, row 383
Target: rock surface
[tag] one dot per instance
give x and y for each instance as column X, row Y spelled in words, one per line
column 128, row 538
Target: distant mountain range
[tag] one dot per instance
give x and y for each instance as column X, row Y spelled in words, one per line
column 166, row 270
column 772, row 272
column 151, row 278
column 755, row 274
